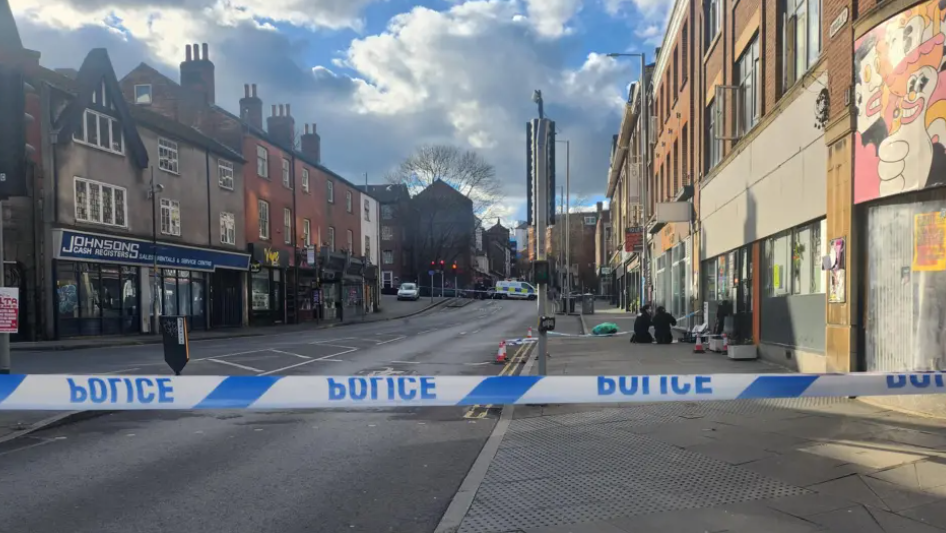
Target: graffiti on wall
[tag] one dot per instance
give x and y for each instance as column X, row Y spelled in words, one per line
column 900, row 99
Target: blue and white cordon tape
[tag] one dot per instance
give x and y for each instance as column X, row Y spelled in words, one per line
column 74, row 392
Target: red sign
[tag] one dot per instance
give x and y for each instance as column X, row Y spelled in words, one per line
column 9, row 309
column 634, row 239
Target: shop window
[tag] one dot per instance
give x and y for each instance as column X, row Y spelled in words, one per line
column 96, row 299
column 778, row 258
column 260, row 290
column 807, row 250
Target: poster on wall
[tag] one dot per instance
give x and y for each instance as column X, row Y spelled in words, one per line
column 929, row 242
column 834, row 264
column 900, row 100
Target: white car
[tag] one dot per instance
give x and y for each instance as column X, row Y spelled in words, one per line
column 408, row 291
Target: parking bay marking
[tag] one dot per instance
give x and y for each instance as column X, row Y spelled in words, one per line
column 230, row 363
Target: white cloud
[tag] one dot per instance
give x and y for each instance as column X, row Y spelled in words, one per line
column 461, row 75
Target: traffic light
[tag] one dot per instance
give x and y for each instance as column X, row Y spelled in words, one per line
column 432, row 263
column 441, row 264
column 13, row 119
column 454, row 267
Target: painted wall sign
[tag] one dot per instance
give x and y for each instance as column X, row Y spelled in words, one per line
column 838, row 23
column 900, row 99
column 82, row 246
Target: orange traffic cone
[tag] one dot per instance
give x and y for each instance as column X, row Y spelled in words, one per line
column 698, row 348
column 725, row 344
column 501, row 353
column 529, row 336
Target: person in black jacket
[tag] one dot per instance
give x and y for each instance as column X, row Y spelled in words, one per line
column 642, row 327
column 662, row 322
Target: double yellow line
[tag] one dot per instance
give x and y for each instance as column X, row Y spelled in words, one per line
column 522, row 354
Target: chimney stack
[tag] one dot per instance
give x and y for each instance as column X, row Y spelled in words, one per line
column 197, row 74
column 311, row 144
column 251, row 107
column 282, row 127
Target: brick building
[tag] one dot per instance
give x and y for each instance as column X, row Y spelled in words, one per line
column 292, row 202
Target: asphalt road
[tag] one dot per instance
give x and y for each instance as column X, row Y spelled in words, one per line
column 238, row 471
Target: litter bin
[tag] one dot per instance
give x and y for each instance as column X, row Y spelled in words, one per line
column 587, row 304
column 571, row 303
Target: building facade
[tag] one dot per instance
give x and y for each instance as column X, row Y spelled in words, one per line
column 302, row 221
column 395, row 244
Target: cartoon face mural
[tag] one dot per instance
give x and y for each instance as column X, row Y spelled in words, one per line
column 900, row 97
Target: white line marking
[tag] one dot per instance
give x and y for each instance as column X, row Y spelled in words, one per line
column 405, row 362
column 290, row 353
column 232, row 354
column 237, row 365
column 475, row 332
column 478, row 364
column 426, row 331
column 325, row 358
column 122, row 371
column 333, row 340
column 391, row 340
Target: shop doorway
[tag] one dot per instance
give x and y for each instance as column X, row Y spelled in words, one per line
column 226, row 294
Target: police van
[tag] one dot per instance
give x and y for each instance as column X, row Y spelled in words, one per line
column 515, row 290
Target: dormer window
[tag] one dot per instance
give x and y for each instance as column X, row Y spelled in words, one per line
column 100, row 131
column 143, row 94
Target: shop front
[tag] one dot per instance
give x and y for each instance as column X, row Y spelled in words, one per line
column 104, row 283
column 673, row 273
column 899, row 224
column 728, row 294
column 267, row 284
column 303, row 282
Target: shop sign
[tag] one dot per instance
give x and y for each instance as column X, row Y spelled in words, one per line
column 838, row 23
column 929, row 242
column 82, row 246
column 634, row 239
column 9, row 309
column 268, row 256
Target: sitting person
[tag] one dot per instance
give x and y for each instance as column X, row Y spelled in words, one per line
column 642, row 327
column 662, row 322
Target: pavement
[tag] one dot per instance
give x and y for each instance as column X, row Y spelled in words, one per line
column 776, row 466
column 391, row 309
column 367, row 471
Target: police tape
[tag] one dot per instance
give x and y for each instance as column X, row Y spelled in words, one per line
column 109, row 392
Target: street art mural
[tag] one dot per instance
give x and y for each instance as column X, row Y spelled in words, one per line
column 900, row 99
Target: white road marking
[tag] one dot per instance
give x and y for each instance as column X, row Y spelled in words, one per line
column 405, row 362
column 232, row 354
column 426, row 331
column 391, row 340
column 43, row 443
column 325, row 358
column 290, row 353
column 475, row 332
column 479, row 364
column 122, row 371
column 237, row 365
column 334, row 340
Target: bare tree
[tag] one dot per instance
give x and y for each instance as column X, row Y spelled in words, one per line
column 464, row 170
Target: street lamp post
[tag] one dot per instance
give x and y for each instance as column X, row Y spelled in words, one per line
column 154, row 189
column 568, row 277
column 644, row 116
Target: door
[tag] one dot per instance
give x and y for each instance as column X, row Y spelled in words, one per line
column 226, row 299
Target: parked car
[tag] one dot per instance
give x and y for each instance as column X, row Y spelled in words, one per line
column 408, row 291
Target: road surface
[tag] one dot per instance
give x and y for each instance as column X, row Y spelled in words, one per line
column 238, row 471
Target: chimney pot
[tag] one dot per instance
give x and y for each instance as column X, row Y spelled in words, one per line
column 253, row 87
column 306, row 129
column 196, row 52
column 204, row 51
column 288, row 113
column 188, row 48
column 274, row 110
column 282, row 110
column 313, row 127
column 246, row 90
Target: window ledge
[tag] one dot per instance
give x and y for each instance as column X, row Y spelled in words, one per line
column 166, row 171
column 97, row 147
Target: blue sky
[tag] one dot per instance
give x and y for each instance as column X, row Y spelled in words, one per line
column 381, row 77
